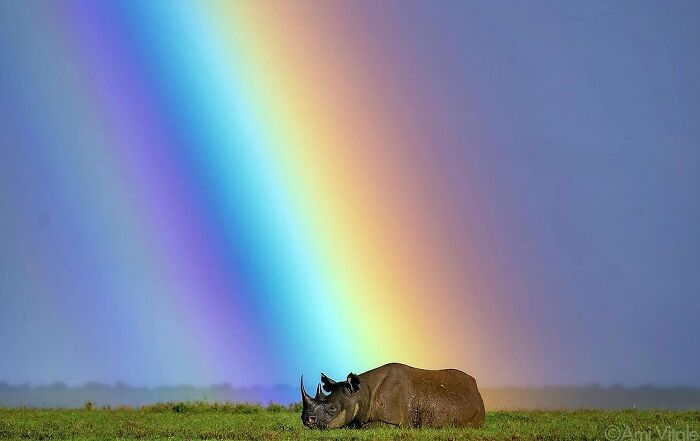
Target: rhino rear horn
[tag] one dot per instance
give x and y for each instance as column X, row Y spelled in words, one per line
column 319, row 394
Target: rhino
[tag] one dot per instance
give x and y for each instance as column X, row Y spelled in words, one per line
column 395, row 395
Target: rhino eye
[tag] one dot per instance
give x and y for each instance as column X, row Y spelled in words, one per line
column 332, row 408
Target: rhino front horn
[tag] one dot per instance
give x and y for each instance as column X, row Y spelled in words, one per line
column 305, row 398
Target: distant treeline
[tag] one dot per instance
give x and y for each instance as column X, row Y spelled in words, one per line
column 120, row 394
column 550, row 397
column 591, row 397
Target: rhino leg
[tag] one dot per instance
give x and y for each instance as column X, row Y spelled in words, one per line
column 377, row 425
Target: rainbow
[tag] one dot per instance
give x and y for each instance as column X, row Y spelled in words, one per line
column 241, row 192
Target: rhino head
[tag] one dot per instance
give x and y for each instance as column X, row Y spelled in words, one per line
column 337, row 409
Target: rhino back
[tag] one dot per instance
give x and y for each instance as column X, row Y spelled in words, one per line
column 411, row 397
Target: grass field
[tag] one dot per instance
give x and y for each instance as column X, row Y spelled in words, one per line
column 235, row 421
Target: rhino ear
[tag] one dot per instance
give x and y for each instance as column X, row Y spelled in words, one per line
column 354, row 382
column 328, row 383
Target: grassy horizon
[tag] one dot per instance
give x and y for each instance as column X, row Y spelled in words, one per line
column 200, row 420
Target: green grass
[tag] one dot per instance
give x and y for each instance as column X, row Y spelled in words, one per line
column 240, row 421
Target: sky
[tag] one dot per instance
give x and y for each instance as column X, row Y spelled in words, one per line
column 212, row 192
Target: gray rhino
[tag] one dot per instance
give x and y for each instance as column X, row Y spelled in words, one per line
column 395, row 395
